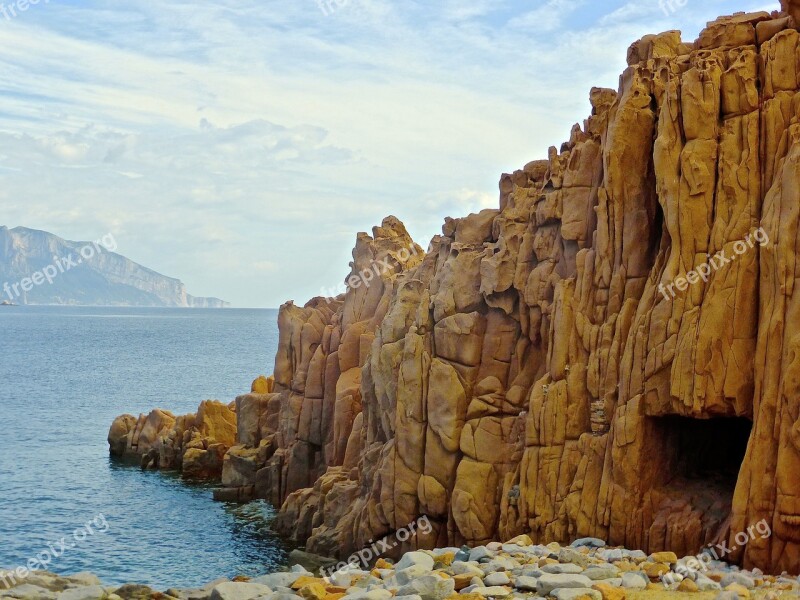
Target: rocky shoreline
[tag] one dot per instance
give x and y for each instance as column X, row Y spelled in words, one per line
column 529, row 378
column 517, row 569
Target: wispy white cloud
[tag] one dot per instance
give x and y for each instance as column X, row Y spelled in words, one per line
column 225, row 141
column 551, row 15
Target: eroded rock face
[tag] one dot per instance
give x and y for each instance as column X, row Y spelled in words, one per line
column 610, row 354
column 792, row 7
column 571, row 365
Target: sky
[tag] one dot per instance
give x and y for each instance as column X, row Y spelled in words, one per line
column 240, row 145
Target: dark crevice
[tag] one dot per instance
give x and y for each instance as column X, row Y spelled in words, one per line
column 710, row 450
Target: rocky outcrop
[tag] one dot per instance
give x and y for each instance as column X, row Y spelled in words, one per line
column 610, row 353
column 296, row 425
column 194, row 444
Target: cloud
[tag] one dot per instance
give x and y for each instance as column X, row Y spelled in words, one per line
column 550, row 16
column 457, row 10
column 629, row 13
column 222, row 141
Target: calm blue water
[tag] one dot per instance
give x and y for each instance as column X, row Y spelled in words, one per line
column 65, row 373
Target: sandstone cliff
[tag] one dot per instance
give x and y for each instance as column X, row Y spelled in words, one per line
column 546, row 368
column 611, row 353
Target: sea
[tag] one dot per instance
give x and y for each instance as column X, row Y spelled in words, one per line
column 65, row 374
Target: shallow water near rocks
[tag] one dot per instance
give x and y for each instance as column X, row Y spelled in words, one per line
column 65, row 373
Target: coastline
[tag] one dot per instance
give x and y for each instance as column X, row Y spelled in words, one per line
column 587, row 389
column 513, row 380
column 56, row 471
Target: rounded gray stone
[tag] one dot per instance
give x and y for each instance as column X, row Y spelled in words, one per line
column 549, row 582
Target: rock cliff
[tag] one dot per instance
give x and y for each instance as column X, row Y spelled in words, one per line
column 611, row 353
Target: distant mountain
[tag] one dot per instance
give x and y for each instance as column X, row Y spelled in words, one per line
column 37, row 267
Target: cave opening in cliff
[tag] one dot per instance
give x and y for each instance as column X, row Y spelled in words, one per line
column 705, row 448
column 703, row 458
column 697, row 466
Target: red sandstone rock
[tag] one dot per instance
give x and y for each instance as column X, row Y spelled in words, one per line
column 538, row 371
column 529, row 376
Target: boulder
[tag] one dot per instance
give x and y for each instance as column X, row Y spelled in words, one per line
column 411, row 559
column 634, row 581
column 549, row 582
column 91, row 592
column 233, row 590
column 575, row 593
column 737, row 578
column 428, row 587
